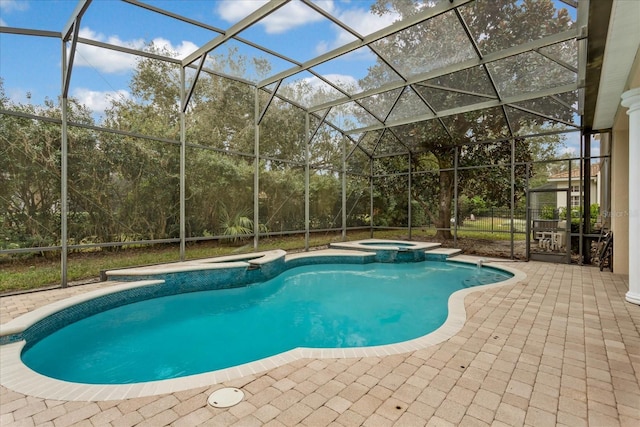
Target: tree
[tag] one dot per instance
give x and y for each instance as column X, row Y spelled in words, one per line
column 219, row 186
column 441, row 42
column 30, row 153
column 219, row 159
column 30, row 178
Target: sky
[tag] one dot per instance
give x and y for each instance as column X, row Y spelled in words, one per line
column 31, row 66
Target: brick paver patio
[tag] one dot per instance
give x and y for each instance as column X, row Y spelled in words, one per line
column 561, row 347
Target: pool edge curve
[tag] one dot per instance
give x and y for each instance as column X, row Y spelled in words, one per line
column 16, row 376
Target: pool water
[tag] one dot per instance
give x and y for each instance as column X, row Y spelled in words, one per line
column 320, row 306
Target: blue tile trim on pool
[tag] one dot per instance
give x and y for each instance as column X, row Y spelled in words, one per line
column 8, row 339
column 217, row 275
column 435, row 257
column 172, row 283
column 85, row 309
column 330, row 259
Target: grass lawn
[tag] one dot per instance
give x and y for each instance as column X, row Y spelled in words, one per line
column 32, row 272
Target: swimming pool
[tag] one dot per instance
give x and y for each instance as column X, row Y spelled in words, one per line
column 230, row 276
column 317, row 306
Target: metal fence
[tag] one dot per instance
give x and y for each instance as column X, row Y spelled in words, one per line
column 493, row 220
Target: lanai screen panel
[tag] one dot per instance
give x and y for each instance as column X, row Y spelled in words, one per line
column 390, row 201
column 429, row 58
column 283, row 133
column 222, row 205
column 127, row 190
column 327, row 148
column 358, row 162
column 24, row 67
column 358, row 201
column 150, row 105
column 425, row 195
column 325, row 200
column 29, row 183
column 221, row 115
column 542, row 58
column 281, row 197
column 410, row 82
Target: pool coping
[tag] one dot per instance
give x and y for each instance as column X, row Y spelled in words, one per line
column 383, row 244
column 15, row 375
column 227, row 261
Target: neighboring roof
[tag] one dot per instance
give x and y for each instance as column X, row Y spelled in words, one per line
column 575, row 173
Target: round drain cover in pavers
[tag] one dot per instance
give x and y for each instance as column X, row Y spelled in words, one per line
column 226, row 397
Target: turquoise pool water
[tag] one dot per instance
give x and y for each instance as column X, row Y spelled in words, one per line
column 317, row 306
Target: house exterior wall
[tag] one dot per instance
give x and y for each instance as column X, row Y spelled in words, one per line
column 620, row 194
column 561, row 198
column 620, row 214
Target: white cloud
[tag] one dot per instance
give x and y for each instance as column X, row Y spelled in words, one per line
column 234, row 10
column 362, row 21
column 291, row 15
column 98, row 101
column 313, row 82
column 341, row 80
column 365, row 22
column 297, row 14
column 294, row 14
column 8, row 6
column 106, row 60
column 18, row 95
column 312, row 90
column 111, row 61
column 182, row 50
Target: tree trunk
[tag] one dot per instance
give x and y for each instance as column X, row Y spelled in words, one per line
column 444, row 205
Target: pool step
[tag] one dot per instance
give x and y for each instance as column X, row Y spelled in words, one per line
column 441, row 254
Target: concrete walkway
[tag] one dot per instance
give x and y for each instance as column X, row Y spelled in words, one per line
column 560, row 348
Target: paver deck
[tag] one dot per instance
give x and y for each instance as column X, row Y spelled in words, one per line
column 561, row 347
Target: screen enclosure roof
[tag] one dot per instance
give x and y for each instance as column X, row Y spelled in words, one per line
column 450, row 71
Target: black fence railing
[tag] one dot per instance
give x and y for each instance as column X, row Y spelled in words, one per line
column 493, row 220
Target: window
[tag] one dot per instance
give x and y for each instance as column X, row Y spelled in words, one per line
column 575, row 201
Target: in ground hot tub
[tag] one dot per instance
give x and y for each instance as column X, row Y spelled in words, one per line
column 390, row 250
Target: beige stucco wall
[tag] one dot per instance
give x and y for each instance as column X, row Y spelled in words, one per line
column 620, row 180
column 620, row 194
